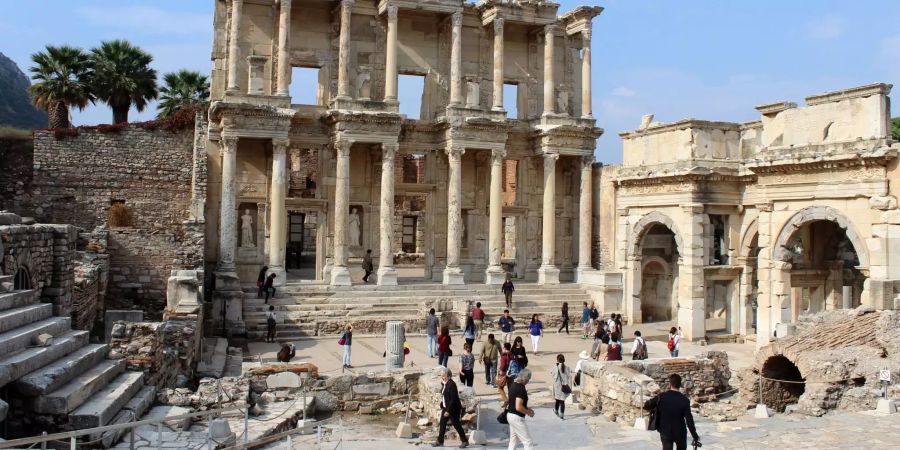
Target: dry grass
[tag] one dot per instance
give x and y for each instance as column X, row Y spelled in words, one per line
column 11, row 133
column 119, row 216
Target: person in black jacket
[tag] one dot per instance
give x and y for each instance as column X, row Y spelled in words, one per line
column 673, row 412
column 451, row 410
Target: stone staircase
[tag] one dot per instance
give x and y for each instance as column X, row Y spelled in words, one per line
column 69, row 379
column 306, row 310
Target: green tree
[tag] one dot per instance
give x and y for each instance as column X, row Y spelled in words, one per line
column 123, row 77
column 62, row 78
column 895, row 128
column 183, row 88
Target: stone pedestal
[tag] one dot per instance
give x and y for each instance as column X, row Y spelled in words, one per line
column 886, row 406
column 761, row 412
column 404, row 431
column 548, row 275
column 394, row 337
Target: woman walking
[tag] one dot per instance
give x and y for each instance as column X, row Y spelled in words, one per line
column 467, row 365
column 517, row 410
column 260, row 281
column 269, row 287
column 507, row 290
column 518, row 352
column 565, row 318
column 562, row 385
column 614, row 349
column 536, row 328
column 444, row 342
column 347, row 340
column 270, row 324
column 469, row 331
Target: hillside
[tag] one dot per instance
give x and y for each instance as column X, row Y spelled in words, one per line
column 16, row 109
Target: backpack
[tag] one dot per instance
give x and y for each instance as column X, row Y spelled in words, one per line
column 671, row 344
column 513, row 369
column 641, row 352
column 343, row 339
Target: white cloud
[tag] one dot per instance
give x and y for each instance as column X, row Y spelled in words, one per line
column 623, row 91
column 826, row 27
column 147, row 20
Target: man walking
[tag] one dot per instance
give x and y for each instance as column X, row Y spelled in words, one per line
column 451, row 409
column 506, row 326
column 431, row 330
column 478, row 317
column 673, row 412
column 490, row 354
column 367, row 265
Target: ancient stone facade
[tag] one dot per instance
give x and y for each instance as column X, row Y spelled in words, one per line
column 740, row 227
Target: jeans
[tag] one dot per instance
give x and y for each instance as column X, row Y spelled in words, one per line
column 508, row 299
column 346, row 354
column 490, row 372
column 442, row 430
column 443, row 357
column 270, row 291
column 534, row 343
column 518, row 432
column 674, row 353
column 432, row 345
column 679, row 443
column 468, row 377
column 471, row 343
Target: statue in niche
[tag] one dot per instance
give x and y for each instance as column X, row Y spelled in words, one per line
column 562, row 101
column 247, row 230
column 354, row 225
column 472, row 88
column 363, row 84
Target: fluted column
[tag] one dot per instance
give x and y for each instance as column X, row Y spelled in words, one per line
column 498, row 65
column 387, row 274
column 549, row 97
column 548, row 273
column 494, row 273
column 284, row 58
column 277, row 211
column 586, row 110
column 344, row 51
column 585, row 215
column 340, row 273
column 390, row 71
column 228, row 208
column 233, row 48
column 456, row 60
column 453, row 273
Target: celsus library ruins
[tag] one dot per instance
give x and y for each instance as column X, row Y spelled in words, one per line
column 138, row 307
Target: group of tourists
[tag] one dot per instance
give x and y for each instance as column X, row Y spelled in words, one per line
column 265, row 284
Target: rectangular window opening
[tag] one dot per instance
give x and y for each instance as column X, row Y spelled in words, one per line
column 410, row 223
column 511, row 100
column 510, row 181
column 410, row 93
column 305, row 88
column 413, row 168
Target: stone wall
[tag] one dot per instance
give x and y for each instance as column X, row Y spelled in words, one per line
column 162, row 350
column 16, row 176
column 47, row 253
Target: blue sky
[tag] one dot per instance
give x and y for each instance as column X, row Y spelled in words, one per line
column 708, row 59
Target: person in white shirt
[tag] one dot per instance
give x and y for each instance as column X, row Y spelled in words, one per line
column 270, row 324
column 674, row 343
column 638, row 347
column 611, row 324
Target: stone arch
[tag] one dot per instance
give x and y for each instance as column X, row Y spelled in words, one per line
column 751, row 232
column 22, row 279
column 647, row 260
column 813, row 214
column 643, row 225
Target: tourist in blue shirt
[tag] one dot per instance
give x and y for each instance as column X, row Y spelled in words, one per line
column 536, row 328
column 506, row 325
column 585, row 320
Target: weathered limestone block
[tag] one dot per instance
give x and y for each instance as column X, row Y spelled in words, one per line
column 393, row 345
column 883, row 203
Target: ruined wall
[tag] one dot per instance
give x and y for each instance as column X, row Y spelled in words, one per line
column 17, row 156
column 91, row 276
column 47, row 253
column 162, row 350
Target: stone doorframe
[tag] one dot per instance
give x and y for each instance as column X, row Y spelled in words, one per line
column 320, row 207
column 428, row 190
column 521, row 215
column 634, row 266
column 668, row 273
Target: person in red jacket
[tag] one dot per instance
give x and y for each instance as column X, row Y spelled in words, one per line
column 444, row 342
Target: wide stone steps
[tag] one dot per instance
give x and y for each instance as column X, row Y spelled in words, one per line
column 23, row 315
column 23, row 336
column 135, row 408
column 63, row 370
column 20, row 364
column 74, row 393
column 16, row 299
column 107, row 402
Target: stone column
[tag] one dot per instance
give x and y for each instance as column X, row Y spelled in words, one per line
column 796, row 303
column 498, row 65
column 277, row 219
column 453, row 273
column 585, row 218
column 233, row 48
column 387, row 274
column 495, row 273
column 548, row 273
column 344, row 51
column 586, row 110
column 549, row 98
column 456, row 60
column 284, row 58
column 390, row 70
column 228, row 208
column 394, row 337
column 340, row 273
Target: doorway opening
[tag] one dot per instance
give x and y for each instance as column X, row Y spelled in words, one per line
column 300, row 260
column 789, row 387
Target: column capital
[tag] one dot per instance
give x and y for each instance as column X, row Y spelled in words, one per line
column 284, row 4
column 281, row 144
column 456, row 19
column 229, row 144
column 586, row 36
column 498, row 25
column 237, row 2
column 549, row 29
column 342, row 148
column 392, row 12
column 454, row 153
column 497, row 155
column 347, row 3
column 588, row 160
column 551, row 157
column 389, row 151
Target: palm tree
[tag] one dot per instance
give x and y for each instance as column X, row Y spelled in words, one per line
column 62, row 79
column 183, row 88
column 123, row 77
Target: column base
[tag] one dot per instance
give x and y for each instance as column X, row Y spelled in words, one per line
column 498, row 109
column 581, row 272
column 494, row 275
column 548, row 275
column 280, row 275
column 454, row 275
column 387, row 276
column 227, row 280
column 340, row 276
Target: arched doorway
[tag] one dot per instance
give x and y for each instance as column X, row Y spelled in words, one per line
column 659, row 256
column 22, row 279
column 782, row 383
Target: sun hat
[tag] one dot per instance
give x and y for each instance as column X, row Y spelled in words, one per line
column 584, row 355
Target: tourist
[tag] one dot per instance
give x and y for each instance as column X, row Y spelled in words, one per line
column 506, row 324
column 595, row 315
column 619, row 328
column 478, row 316
column 517, row 410
column 444, row 342
column 367, row 266
column 269, row 287
column 270, row 324
column 614, row 349
column 260, row 281
column 451, row 409
column 565, row 318
column 611, row 324
column 490, row 353
column 585, row 320
column 469, row 331
column 346, row 340
column 287, row 353
column 518, row 351
column 431, row 330
column 502, row 379
column 600, row 336
column 638, row 347
column 673, row 412
column 467, row 365
column 507, row 290
column 536, row 329
column 582, row 357
column 562, row 385
column 674, row 342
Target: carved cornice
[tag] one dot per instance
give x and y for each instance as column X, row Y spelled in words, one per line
column 681, row 125
column 855, row 92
